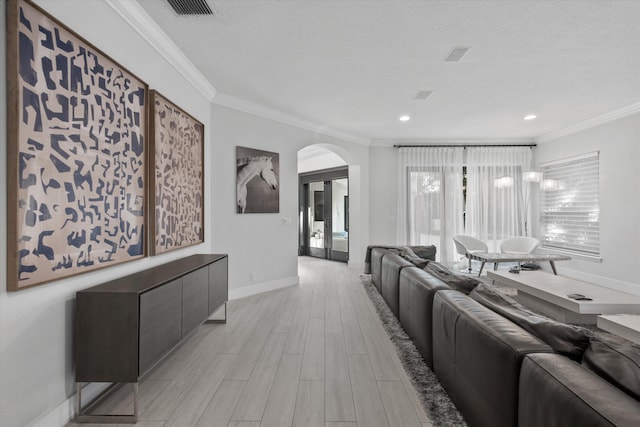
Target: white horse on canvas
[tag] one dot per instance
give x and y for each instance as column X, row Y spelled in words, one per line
column 248, row 168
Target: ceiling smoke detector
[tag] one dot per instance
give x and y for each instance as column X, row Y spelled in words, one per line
column 457, row 53
column 191, row 7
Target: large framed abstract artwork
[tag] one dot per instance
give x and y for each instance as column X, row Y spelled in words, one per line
column 257, row 175
column 75, row 151
column 177, row 181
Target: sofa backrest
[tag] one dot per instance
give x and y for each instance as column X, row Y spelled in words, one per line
column 417, row 289
column 392, row 264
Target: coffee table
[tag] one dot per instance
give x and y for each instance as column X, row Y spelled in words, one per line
column 497, row 258
column 547, row 293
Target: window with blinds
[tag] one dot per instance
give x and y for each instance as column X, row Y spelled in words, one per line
column 570, row 209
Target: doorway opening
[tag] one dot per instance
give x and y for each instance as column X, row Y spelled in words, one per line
column 324, row 214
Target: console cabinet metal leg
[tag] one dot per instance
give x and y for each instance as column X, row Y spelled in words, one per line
column 125, row 327
column 218, row 289
column 84, row 414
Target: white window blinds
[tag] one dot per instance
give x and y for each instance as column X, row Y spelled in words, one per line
column 570, row 209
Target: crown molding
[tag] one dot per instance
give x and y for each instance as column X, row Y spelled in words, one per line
column 141, row 22
column 590, row 123
column 243, row 105
column 461, row 142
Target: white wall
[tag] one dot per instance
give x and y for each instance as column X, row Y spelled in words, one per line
column 36, row 366
column 619, row 145
column 384, row 194
column 265, row 246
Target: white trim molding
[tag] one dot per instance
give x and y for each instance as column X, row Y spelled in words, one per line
column 141, row 22
column 590, row 123
column 259, row 110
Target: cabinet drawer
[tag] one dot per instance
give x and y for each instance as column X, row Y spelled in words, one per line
column 195, row 297
column 160, row 320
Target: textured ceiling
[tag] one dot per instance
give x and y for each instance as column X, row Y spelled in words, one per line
column 356, row 65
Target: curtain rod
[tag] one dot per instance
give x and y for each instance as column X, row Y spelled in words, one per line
column 464, row 145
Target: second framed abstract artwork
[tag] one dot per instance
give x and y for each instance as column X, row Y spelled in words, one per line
column 177, row 179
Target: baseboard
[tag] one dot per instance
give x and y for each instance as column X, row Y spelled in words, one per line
column 58, row 416
column 66, row 411
column 259, row 288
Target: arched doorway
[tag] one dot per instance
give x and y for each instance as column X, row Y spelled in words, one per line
column 323, row 204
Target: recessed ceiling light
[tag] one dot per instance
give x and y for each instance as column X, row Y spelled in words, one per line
column 405, row 118
column 530, row 117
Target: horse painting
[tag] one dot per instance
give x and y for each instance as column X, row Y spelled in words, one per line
column 247, row 169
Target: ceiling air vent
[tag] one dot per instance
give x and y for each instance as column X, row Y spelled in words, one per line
column 457, row 53
column 191, row 7
column 423, row 94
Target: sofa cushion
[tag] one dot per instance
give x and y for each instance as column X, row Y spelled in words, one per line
column 565, row 339
column 616, row 364
column 556, row 391
column 457, row 282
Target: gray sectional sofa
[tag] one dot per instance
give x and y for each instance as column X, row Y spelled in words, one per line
column 501, row 364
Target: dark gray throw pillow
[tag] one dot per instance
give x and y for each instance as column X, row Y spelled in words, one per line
column 424, row 252
column 565, row 339
column 457, row 282
column 413, row 258
column 617, row 365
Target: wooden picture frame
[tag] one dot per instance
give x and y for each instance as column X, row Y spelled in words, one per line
column 177, row 180
column 76, row 156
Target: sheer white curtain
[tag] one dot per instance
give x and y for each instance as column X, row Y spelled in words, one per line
column 430, row 199
column 495, row 212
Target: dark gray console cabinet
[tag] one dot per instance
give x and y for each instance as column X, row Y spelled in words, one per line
column 126, row 326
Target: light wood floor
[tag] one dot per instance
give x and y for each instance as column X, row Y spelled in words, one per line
column 308, row 355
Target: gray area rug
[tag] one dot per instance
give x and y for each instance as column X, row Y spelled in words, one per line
column 434, row 399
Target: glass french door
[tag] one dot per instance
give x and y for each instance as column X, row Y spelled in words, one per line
column 324, row 219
